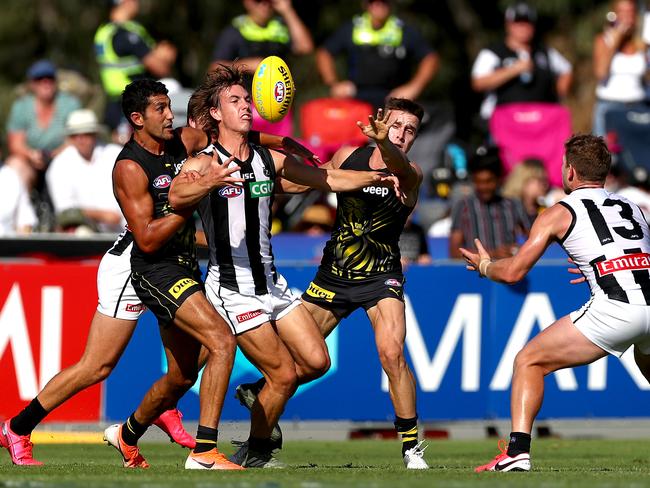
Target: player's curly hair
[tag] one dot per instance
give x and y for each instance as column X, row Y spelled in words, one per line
column 589, row 156
column 135, row 96
column 206, row 96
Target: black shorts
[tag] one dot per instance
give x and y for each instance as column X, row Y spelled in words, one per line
column 342, row 297
column 164, row 287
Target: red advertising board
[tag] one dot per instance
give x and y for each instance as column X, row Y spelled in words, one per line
column 45, row 312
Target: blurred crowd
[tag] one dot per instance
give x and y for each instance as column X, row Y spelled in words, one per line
column 56, row 174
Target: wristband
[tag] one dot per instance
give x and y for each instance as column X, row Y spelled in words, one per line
column 483, row 266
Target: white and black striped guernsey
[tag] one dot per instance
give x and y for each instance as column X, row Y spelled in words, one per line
column 237, row 224
column 609, row 241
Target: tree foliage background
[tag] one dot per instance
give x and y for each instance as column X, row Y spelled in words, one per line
column 63, row 31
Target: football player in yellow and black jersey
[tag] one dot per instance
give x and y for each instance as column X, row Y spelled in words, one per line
column 361, row 262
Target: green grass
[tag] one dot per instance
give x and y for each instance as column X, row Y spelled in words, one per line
column 371, row 464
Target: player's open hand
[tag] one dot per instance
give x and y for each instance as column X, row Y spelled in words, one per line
column 219, row 174
column 377, row 128
column 575, row 270
column 478, row 261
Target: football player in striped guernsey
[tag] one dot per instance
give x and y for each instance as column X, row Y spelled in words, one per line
column 607, row 237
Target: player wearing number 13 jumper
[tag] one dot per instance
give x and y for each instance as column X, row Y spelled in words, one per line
column 607, row 238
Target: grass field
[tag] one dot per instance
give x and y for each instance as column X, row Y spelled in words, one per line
column 372, row 464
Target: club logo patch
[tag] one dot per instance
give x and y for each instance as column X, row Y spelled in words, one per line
column 231, row 191
column 392, row 282
column 162, row 181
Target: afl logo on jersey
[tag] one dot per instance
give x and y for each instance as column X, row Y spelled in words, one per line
column 162, row 181
column 231, row 191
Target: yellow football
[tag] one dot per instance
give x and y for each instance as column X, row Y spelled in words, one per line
column 273, row 89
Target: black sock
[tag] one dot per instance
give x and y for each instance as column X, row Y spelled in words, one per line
column 28, row 418
column 206, row 439
column 261, row 445
column 519, row 442
column 132, row 430
column 408, row 429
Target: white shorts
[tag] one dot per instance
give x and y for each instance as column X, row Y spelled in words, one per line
column 117, row 297
column 245, row 312
column 614, row 326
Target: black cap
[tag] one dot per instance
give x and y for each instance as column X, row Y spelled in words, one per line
column 521, row 12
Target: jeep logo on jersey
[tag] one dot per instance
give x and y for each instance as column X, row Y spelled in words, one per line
column 231, row 191
column 261, row 188
column 278, row 92
column 382, row 191
column 162, row 181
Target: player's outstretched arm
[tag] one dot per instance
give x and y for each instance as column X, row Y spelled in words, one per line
column 130, row 185
column 395, row 159
column 199, row 176
column 549, row 226
column 335, row 180
column 286, row 144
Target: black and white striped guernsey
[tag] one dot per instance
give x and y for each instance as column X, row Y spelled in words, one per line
column 237, row 224
column 609, row 241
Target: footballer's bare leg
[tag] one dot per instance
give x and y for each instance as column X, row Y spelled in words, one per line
column 198, row 318
column 559, row 346
column 304, row 340
column 264, row 348
column 389, row 323
column 182, row 352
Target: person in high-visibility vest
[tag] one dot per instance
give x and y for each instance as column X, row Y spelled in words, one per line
column 382, row 51
column 125, row 52
column 260, row 33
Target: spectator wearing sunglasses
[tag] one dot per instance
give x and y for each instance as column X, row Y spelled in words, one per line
column 386, row 57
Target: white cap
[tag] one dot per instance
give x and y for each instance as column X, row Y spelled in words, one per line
column 82, row 121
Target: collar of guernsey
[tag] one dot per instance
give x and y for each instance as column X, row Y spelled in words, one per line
column 389, row 35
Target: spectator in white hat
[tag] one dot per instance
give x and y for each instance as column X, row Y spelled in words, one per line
column 79, row 179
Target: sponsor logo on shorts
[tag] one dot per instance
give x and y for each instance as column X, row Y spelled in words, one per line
column 248, row 315
column 162, row 181
column 317, row 292
column 382, row 191
column 135, row 307
column 392, row 282
column 261, row 188
column 278, row 92
column 231, row 191
column 624, row 263
column 180, row 286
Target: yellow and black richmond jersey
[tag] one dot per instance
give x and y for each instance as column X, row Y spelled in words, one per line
column 365, row 239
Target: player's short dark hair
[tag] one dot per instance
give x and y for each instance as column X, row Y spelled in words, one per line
column 405, row 105
column 207, row 94
column 589, row 156
column 136, row 95
column 486, row 159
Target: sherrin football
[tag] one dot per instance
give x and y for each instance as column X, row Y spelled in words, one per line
column 273, row 89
